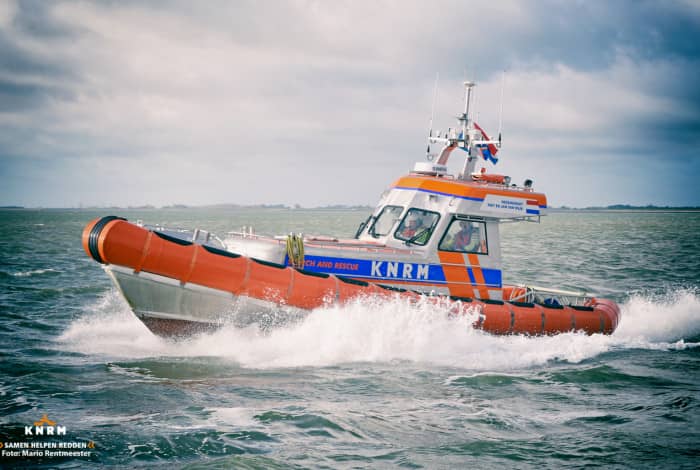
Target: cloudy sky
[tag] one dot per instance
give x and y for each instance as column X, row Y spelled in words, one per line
column 327, row 102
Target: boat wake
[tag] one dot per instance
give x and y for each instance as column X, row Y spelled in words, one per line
column 661, row 320
column 369, row 331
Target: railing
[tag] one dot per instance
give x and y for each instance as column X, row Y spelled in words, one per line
column 549, row 296
column 197, row 236
column 324, row 243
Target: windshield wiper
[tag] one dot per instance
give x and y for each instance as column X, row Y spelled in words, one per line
column 415, row 237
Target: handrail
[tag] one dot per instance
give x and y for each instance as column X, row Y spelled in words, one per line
column 191, row 235
column 545, row 295
column 340, row 245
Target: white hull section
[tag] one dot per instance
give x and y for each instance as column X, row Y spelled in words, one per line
column 169, row 308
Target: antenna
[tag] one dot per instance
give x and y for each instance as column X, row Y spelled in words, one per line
column 432, row 111
column 500, row 112
column 432, row 114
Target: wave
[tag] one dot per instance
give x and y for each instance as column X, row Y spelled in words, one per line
column 373, row 331
column 108, row 327
column 664, row 320
column 35, row 272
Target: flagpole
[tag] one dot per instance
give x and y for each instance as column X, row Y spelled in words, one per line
column 500, row 112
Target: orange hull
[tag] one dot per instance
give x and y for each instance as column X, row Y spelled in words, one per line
column 115, row 241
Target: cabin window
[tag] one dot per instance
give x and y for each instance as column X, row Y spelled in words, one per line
column 362, row 226
column 385, row 221
column 465, row 236
column 417, row 226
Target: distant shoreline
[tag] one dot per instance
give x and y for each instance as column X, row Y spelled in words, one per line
column 627, row 208
column 612, row 208
column 186, row 207
column 622, row 211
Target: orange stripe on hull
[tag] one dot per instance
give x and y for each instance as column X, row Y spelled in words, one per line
column 456, row 274
column 478, row 276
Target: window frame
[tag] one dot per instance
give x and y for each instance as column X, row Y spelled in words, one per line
column 432, row 227
column 462, row 218
column 363, row 225
column 371, row 231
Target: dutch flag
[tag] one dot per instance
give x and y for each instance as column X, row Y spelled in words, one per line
column 487, row 151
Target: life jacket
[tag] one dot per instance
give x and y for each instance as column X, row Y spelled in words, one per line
column 465, row 241
column 462, row 238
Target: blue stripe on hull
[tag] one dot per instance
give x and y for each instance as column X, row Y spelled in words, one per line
column 384, row 270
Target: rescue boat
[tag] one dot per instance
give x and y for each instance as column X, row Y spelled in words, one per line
column 432, row 236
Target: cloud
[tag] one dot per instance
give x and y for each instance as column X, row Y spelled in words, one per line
column 321, row 103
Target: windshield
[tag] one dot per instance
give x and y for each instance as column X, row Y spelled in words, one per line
column 385, row 221
column 417, row 226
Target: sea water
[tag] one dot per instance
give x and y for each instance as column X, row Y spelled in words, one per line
column 366, row 385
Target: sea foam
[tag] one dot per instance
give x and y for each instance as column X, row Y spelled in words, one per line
column 395, row 330
column 35, row 272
